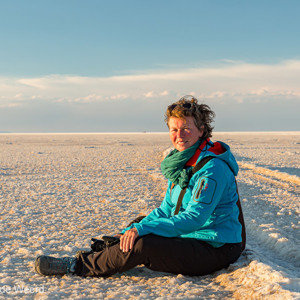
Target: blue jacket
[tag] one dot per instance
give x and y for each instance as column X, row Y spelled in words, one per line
column 209, row 211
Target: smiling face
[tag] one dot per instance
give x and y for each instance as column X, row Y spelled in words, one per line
column 183, row 132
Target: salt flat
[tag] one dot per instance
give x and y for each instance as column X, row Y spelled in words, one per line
column 59, row 190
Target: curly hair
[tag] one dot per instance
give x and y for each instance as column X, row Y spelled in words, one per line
column 188, row 106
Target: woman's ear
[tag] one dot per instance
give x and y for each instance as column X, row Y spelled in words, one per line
column 201, row 131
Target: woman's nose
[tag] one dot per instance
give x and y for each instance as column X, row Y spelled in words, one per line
column 179, row 133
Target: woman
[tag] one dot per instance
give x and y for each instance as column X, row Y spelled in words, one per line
column 202, row 236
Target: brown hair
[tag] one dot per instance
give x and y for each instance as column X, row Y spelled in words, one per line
column 188, row 106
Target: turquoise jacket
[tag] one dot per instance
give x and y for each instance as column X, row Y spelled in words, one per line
column 209, row 211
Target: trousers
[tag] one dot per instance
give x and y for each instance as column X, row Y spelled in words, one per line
column 186, row 256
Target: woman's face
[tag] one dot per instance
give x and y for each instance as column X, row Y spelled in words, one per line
column 183, row 132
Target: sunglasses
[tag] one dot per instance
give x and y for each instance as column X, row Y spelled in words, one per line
column 184, row 105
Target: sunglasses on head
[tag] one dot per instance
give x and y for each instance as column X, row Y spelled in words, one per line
column 184, row 105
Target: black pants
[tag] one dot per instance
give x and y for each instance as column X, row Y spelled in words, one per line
column 173, row 255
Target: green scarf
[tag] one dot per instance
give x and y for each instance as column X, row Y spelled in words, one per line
column 172, row 166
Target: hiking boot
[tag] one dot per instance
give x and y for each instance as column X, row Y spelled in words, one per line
column 47, row 265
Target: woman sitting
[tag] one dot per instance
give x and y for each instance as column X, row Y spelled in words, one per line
column 198, row 235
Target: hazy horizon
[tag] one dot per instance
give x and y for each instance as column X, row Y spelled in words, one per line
column 148, row 132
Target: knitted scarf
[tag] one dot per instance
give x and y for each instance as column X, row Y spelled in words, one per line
column 172, row 166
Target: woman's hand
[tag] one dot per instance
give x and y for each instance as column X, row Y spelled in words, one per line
column 127, row 239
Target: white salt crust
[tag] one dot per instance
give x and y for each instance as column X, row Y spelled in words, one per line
column 59, row 190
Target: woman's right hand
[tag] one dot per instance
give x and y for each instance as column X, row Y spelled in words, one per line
column 127, row 239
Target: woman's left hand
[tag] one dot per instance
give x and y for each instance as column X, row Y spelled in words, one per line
column 127, row 239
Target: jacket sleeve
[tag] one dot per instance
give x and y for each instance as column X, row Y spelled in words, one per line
column 207, row 189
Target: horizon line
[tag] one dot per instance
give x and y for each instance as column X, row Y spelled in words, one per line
column 142, row 132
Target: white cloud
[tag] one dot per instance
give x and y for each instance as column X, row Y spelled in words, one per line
column 149, row 94
column 164, row 93
column 232, row 87
column 9, row 105
column 118, row 96
column 230, row 79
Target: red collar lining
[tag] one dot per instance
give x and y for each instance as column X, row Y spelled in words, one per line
column 216, row 148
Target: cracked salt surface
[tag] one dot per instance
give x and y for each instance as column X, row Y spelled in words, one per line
column 58, row 191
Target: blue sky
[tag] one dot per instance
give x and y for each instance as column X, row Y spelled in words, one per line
column 89, row 66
